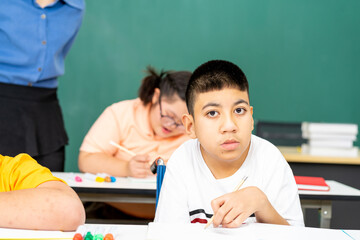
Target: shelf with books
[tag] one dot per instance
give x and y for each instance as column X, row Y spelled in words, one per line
column 293, row 154
column 330, row 139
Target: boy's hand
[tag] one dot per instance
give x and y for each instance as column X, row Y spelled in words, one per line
column 232, row 209
column 139, row 167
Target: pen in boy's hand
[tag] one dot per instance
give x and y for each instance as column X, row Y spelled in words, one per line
column 236, row 188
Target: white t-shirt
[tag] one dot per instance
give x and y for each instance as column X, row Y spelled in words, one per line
column 189, row 186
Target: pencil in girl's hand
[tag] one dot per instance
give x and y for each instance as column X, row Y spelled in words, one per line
column 236, row 188
column 122, row 148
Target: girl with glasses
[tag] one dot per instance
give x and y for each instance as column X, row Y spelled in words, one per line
column 149, row 126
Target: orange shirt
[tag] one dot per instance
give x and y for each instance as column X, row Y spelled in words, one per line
column 22, row 172
column 128, row 124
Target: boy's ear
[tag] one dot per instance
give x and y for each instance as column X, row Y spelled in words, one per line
column 188, row 122
column 252, row 117
column 156, row 95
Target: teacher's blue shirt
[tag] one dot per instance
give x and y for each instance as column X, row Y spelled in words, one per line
column 35, row 41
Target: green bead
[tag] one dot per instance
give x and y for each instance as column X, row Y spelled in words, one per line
column 89, row 236
column 98, row 237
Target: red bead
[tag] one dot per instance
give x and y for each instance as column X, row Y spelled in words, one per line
column 109, row 236
column 77, row 236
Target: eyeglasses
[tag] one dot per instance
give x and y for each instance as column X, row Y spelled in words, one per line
column 168, row 121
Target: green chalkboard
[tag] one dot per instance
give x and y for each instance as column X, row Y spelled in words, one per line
column 302, row 58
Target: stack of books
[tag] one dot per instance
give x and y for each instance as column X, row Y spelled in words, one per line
column 330, row 139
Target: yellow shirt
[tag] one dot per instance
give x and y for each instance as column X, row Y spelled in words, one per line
column 128, row 124
column 22, row 172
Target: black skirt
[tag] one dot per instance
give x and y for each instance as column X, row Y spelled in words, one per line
column 31, row 121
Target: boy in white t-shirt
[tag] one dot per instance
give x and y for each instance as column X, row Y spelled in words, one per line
column 203, row 172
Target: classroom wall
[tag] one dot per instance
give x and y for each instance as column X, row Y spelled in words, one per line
column 301, row 57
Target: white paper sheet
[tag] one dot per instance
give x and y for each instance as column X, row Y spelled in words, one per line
column 250, row 231
column 6, row 233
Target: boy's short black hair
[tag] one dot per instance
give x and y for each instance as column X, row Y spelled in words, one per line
column 214, row 75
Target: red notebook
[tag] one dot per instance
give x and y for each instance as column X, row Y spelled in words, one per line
column 311, row 183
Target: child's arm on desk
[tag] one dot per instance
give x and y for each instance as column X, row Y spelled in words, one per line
column 232, row 209
column 138, row 166
column 51, row 206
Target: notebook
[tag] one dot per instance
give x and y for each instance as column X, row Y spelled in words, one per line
column 311, row 183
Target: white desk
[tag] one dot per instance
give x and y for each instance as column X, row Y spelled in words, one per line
column 144, row 191
column 322, row 200
column 161, row 231
column 133, row 232
column 250, row 231
column 128, row 190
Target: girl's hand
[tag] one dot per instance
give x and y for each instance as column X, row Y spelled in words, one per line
column 139, row 167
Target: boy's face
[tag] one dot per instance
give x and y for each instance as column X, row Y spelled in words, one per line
column 223, row 124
